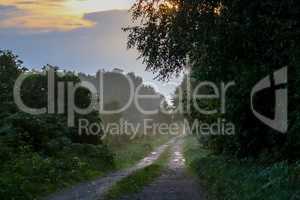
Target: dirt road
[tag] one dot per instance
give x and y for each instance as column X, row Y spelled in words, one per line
column 95, row 189
column 175, row 183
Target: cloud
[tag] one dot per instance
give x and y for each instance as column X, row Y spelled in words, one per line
column 93, row 47
column 62, row 23
column 42, row 15
column 102, row 46
column 59, row 15
column 9, row 11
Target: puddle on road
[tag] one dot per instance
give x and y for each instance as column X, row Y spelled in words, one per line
column 177, row 160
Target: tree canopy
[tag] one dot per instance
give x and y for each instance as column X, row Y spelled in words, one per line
column 241, row 41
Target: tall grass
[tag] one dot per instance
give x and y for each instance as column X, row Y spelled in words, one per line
column 229, row 179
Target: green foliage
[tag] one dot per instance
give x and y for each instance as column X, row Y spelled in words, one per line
column 36, row 131
column 232, row 180
column 227, row 178
column 40, row 154
column 10, row 68
column 28, row 174
column 223, row 41
column 135, row 182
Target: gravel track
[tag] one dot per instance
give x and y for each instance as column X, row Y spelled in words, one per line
column 175, row 183
column 95, row 189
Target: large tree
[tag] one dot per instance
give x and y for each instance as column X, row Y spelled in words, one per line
column 240, row 40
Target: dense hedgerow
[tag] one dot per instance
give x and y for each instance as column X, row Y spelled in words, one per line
column 40, row 153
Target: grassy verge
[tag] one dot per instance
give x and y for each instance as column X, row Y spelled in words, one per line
column 130, row 152
column 30, row 175
column 139, row 179
column 229, row 179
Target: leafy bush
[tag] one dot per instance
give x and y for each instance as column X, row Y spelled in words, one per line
column 40, row 153
column 28, row 175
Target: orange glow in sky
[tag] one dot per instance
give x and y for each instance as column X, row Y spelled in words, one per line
column 61, row 15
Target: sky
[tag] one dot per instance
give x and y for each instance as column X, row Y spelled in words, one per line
column 54, row 14
column 80, row 35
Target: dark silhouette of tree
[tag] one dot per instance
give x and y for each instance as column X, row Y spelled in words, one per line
column 241, row 41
